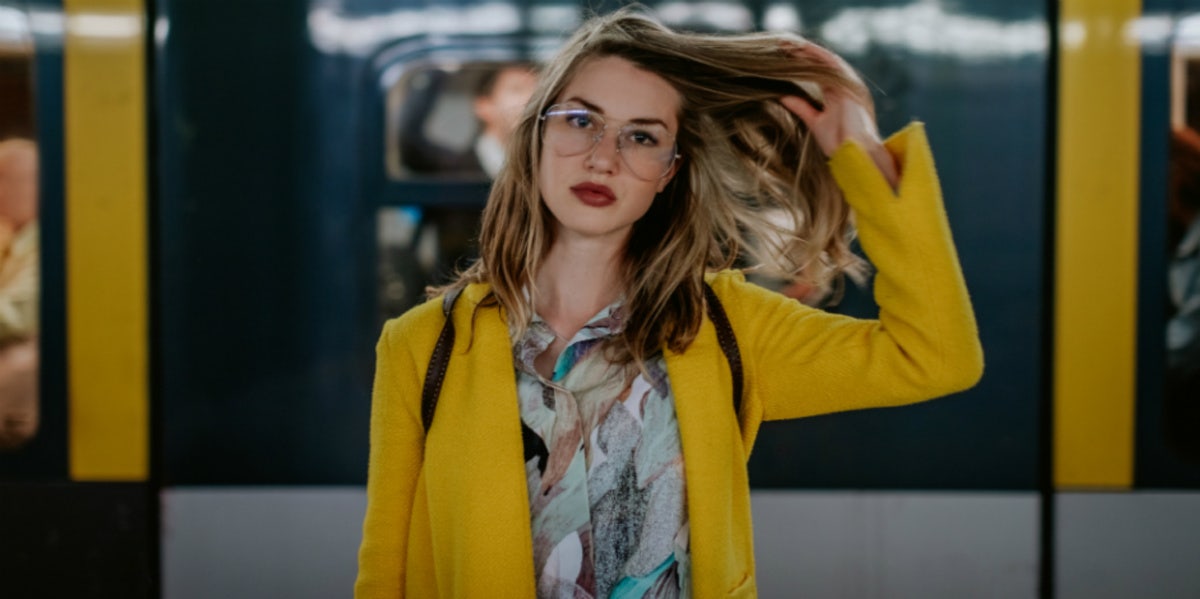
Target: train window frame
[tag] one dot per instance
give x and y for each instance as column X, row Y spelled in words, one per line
column 21, row 402
column 1183, row 56
column 1178, row 371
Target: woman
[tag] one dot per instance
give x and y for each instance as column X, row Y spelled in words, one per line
column 585, row 444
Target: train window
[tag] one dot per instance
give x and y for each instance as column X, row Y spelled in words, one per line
column 19, row 261
column 448, row 122
column 421, row 246
column 1181, row 407
column 451, row 121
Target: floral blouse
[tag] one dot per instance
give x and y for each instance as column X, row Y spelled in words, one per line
column 604, row 469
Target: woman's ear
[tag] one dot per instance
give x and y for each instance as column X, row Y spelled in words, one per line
column 667, row 178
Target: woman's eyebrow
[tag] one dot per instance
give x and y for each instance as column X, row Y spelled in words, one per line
column 586, row 104
column 594, row 108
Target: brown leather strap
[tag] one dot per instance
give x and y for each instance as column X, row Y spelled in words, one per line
column 728, row 342
column 439, row 361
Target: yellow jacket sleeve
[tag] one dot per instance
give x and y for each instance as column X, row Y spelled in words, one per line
column 396, row 455
column 802, row 361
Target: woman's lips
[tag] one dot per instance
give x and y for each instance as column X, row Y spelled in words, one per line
column 594, row 194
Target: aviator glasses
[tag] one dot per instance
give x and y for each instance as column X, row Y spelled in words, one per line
column 646, row 148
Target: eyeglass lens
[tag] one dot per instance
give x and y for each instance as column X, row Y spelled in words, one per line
column 648, row 149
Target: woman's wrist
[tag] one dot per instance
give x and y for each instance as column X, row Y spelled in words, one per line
column 886, row 162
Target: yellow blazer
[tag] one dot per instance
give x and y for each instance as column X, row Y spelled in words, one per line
column 448, row 514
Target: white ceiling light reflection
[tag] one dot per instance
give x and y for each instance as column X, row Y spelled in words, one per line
column 1072, row 34
column 926, row 28
column 560, row 18
column 718, row 16
column 46, row 23
column 1187, row 31
column 14, row 30
column 781, row 17
column 1149, row 30
column 162, row 30
column 105, row 27
column 334, row 33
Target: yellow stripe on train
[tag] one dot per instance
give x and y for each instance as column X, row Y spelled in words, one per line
column 1096, row 272
column 106, row 238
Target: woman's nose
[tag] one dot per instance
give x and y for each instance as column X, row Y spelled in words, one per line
column 605, row 154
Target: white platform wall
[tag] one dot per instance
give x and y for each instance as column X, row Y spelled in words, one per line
column 1119, row 545
column 302, row 543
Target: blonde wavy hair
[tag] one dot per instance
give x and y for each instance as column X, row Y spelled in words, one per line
column 745, row 159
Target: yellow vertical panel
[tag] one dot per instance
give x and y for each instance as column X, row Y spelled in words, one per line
column 106, row 237
column 1096, row 294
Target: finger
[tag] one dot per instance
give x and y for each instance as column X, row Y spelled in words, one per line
column 833, row 103
column 802, row 108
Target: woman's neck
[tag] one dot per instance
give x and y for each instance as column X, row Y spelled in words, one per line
column 577, row 279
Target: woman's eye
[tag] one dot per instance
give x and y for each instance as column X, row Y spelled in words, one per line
column 643, row 138
column 579, row 120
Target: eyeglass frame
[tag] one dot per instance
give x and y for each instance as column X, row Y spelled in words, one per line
column 599, row 137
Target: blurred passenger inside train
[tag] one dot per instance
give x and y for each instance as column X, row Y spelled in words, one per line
column 606, row 374
column 500, row 98
column 428, row 124
column 18, row 292
column 1182, row 402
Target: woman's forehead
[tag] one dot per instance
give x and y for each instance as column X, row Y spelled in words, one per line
column 618, row 88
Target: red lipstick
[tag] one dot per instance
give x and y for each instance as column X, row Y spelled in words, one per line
column 594, row 194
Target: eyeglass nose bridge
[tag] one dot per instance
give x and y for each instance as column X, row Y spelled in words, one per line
column 598, row 138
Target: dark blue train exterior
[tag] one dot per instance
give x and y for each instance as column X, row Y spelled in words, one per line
column 270, row 171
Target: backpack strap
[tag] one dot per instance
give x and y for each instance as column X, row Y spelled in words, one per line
column 728, row 342
column 440, row 360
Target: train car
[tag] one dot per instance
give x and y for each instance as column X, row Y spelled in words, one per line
column 233, row 197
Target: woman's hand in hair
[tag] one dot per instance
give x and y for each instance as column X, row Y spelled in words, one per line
column 840, row 117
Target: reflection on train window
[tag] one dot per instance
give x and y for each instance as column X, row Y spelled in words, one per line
column 19, row 278
column 1181, row 407
column 452, row 121
column 420, row 247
